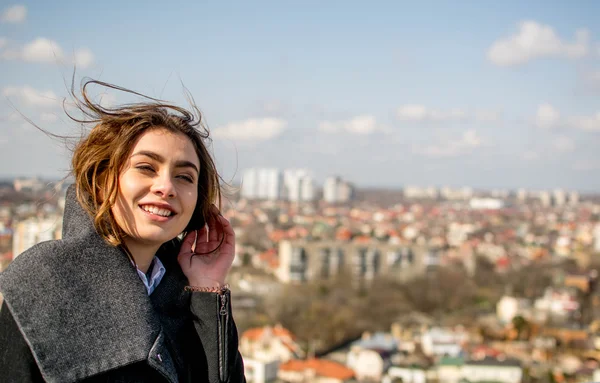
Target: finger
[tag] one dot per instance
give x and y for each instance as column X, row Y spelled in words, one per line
column 222, row 232
column 188, row 241
column 227, row 229
column 213, row 230
column 195, row 241
column 185, row 250
column 202, row 235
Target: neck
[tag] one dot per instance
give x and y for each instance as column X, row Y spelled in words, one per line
column 142, row 254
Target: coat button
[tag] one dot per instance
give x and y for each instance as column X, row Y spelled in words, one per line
column 159, row 357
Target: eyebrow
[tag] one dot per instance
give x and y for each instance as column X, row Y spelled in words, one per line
column 157, row 157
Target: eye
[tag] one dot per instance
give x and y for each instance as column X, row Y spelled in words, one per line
column 186, row 177
column 145, row 168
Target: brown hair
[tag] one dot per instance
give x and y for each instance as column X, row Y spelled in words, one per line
column 99, row 157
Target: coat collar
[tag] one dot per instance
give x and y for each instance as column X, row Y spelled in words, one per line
column 83, row 309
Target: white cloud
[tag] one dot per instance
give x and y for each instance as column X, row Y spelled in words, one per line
column 84, row 58
column 421, row 113
column 48, row 117
column 534, row 40
column 254, row 129
column 547, row 116
column 31, row 96
column 15, row 14
column 412, row 112
column 415, row 112
column 587, row 123
column 563, row 144
column 361, row 125
column 3, row 42
column 43, row 50
column 487, row 115
column 453, row 148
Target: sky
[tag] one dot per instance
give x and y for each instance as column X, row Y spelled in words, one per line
column 384, row 94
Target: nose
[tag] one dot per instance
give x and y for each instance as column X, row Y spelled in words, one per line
column 163, row 186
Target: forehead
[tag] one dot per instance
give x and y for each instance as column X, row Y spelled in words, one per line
column 169, row 145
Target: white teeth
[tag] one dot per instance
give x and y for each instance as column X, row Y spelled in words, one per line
column 157, row 211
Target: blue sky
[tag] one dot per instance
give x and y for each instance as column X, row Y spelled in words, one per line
column 385, row 94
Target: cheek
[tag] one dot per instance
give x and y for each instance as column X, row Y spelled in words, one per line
column 191, row 200
column 188, row 202
column 121, row 206
column 123, row 209
column 132, row 188
column 126, row 188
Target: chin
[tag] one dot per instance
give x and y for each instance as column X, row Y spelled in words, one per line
column 158, row 238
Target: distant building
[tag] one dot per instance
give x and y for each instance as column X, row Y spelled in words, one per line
column 545, row 198
column 486, row 203
column 456, row 194
column 449, row 370
column 559, row 197
column 509, row 307
column 301, row 261
column 458, row 233
column 412, row 374
column 501, row 370
column 573, row 198
column 315, row 371
column 264, row 349
column 336, row 190
column 299, row 185
column 415, row 192
column 370, row 355
column 270, row 343
column 32, row 231
column 262, row 183
column 28, row 184
column 260, row 371
column 556, row 303
column 272, row 184
column 443, row 342
column 522, row 195
column 500, row 193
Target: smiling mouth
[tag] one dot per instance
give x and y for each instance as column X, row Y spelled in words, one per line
column 161, row 212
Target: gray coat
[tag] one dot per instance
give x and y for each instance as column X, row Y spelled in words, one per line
column 85, row 315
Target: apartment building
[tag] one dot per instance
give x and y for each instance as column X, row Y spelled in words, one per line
column 301, row 261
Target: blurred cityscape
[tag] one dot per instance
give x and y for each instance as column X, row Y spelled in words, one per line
column 338, row 283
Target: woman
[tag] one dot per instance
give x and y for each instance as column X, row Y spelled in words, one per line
column 121, row 298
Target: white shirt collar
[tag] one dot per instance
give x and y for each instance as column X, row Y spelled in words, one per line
column 158, row 271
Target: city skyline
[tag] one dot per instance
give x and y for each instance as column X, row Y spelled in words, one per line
column 318, row 189
column 384, row 96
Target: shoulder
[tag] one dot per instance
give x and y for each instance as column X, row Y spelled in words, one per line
column 37, row 258
column 39, row 266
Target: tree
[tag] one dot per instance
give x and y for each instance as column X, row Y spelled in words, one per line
column 522, row 326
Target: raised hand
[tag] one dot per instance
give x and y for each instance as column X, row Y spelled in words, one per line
column 202, row 260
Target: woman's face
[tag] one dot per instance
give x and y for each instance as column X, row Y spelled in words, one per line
column 158, row 188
